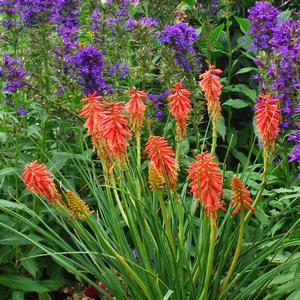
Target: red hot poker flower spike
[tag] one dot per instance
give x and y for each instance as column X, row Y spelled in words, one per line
column 180, row 106
column 38, row 180
column 267, row 119
column 136, row 108
column 210, row 84
column 240, row 196
column 115, row 130
column 162, row 155
column 93, row 111
column 206, row 184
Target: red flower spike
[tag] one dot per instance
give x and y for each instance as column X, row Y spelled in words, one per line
column 136, row 107
column 115, row 130
column 240, row 196
column 180, row 107
column 93, row 111
column 210, row 84
column 38, row 180
column 206, row 184
column 162, row 155
column 267, row 119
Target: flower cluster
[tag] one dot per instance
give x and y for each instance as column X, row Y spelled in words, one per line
column 240, row 196
column 12, row 70
column 136, row 108
column 115, row 130
column 263, row 19
column 279, row 44
column 33, row 12
column 10, row 9
column 89, row 66
column 143, row 22
column 210, row 84
column 267, row 119
column 180, row 106
column 163, row 162
column 65, row 16
column 38, row 180
column 206, row 183
column 181, row 38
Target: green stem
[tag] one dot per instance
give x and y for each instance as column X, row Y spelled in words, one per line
column 256, row 200
column 165, row 219
column 113, row 182
column 264, row 178
column 237, row 251
column 138, row 151
column 178, row 148
column 214, row 137
column 46, row 61
column 213, row 232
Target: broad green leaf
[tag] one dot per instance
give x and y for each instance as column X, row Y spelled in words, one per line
column 22, row 283
column 285, row 15
column 216, row 32
column 3, row 137
column 245, row 70
column 244, row 24
column 221, row 128
column 8, row 238
column 17, row 295
column 8, row 171
column 31, row 265
column 236, row 103
column 44, row 296
column 29, row 285
column 10, row 204
column 242, row 88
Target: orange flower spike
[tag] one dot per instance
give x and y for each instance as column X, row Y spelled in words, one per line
column 162, row 155
column 93, row 111
column 136, row 108
column 206, row 184
column 115, row 130
column 210, row 84
column 267, row 119
column 180, row 106
column 240, row 196
column 38, row 180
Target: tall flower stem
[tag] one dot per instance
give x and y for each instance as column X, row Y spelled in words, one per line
column 214, row 136
column 165, row 219
column 237, row 251
column 139, row 166
column 213, row 234
column 256, row 200
column 45, row 58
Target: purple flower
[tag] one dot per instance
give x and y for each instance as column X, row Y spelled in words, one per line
column 158, row 103
column 123, row 71
column 60, row 90
column 148, row 22
column 33, row 12
column 65, row 16
column 21, row 110
column 13, row 72
column 181, row 38
column 295, row 154
column 96, row 20
column 10, row 9
column 130, row 23
column 89, row 66
column 263, row 19
column 9, row 104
